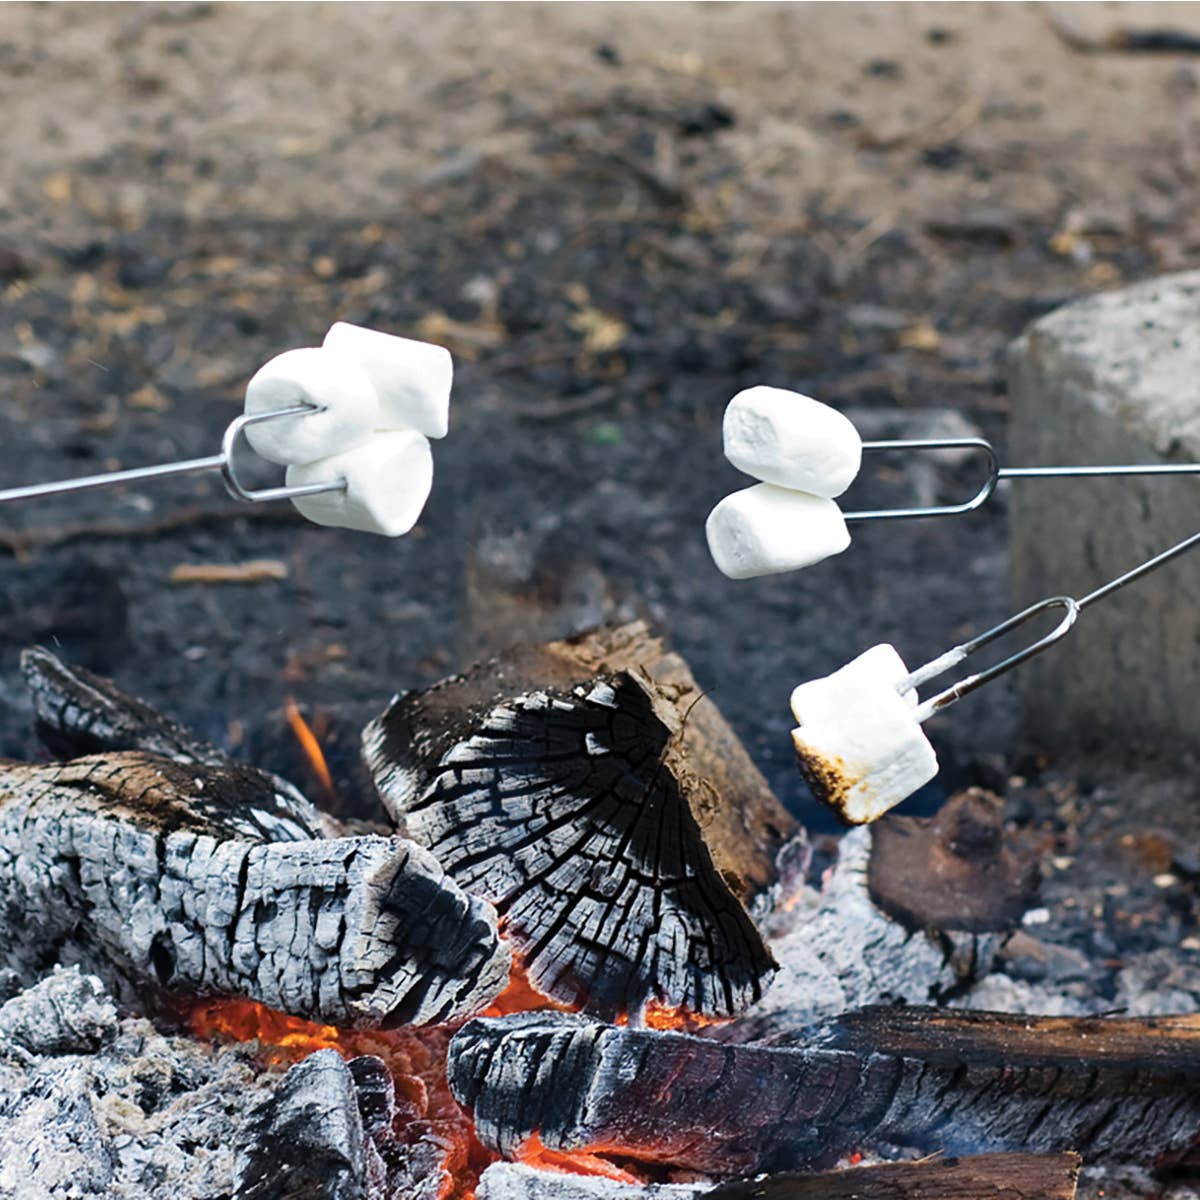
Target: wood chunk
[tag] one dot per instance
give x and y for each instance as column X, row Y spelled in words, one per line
column 590, row 791
column 1123, row 1091
column 520, row 1181
column 954, row 870
column 305, row 1142
column 169, row 877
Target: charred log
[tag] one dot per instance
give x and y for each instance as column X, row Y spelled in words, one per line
column 955, row 870
column 163, row 878
column 591, row 792
column 963, row 1082
column 77, row 713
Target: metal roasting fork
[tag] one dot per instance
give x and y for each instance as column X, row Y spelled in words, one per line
column 997, row 473
column 1071, row 609
column 222, row 462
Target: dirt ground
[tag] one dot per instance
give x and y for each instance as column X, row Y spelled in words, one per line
column 616, row 216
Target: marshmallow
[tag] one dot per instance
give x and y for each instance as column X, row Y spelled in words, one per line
column 412, row 378
column 388, row 480
column 325, row 379
column 785, row 438
column 764, row 530
column 860, row 745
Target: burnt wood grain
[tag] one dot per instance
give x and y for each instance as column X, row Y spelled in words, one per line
column 593, row 794
column 77, row 713
column 1111, row 1090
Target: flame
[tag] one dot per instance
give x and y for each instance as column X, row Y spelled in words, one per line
column 311, row 747
column 520, row 995
column 585, row 1161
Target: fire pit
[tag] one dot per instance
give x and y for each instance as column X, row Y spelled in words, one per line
column 579, row 958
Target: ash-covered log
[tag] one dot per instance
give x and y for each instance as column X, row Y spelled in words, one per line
column 167, row 877
column 591, row 792
column 1112, row 1090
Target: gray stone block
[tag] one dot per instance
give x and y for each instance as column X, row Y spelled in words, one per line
column 1112, row 378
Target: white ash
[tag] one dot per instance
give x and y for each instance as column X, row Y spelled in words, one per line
column 518, row 1181
column 843, row 952
column 104, row 1106
column 67, row 1011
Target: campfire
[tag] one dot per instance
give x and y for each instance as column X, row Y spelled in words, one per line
column 575, row 953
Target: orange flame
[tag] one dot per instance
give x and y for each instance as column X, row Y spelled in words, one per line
column 311, row 747
column 585, row 1161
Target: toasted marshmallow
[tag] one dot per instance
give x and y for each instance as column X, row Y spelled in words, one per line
column 327, row 381
column 763, row 530
column 860, row 745
column 791, row 440
column 411, row 378
column 388, row 480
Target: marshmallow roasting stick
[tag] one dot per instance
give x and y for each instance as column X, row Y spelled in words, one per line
column 350, row 420
column 858, row 736
column 805, row 455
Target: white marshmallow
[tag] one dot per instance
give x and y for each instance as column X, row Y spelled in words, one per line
column 763, row 530
column 388, row 480
column 412, row 378
column 319, row 377
column 785, row 438
column 860, row 745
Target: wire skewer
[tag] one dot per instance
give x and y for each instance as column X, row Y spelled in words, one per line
column 222, row 463
column 997, row 473
column 1072, row 608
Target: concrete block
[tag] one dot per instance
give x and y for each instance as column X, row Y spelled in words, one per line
column 1112, row 378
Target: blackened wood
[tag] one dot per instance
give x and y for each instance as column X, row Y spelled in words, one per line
column 1126, row 1091
column 166, row 877
column 306, row 1142
column 955, row 870
column 975, row 1177
column 591, row 792
column 77, row 713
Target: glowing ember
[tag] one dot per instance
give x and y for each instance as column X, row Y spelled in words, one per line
column 577, row 1162
column 520, row 995
column 310, row 745
column 416, row 1059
